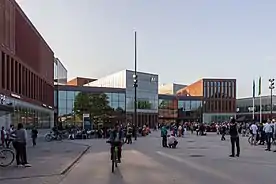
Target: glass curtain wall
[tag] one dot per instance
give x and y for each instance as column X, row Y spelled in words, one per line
column 103, row 107
column 190, row 110
column 167, row 110
column 30, row 115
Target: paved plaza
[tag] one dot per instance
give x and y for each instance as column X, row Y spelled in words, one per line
column 198, row 160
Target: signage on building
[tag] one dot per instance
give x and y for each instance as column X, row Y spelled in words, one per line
column 15, row 96
column 87, row 124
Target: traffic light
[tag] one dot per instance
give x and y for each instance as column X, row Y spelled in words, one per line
column 271, row 83
column 135, row 81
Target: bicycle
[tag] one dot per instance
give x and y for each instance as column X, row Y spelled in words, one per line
column 114, row 159
column 7, row 157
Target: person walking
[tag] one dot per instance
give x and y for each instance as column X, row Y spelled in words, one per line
column 254, row 131
column 20, row 146
column 234, row 137
column 3, row 135
column 164, row 134
column 34, row 135
column 223, row 132
column 268, row 133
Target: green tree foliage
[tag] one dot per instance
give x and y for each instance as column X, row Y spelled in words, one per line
column 97, row 105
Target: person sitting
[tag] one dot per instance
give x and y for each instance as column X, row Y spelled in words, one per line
column 172, row 142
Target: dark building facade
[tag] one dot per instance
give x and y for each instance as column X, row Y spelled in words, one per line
column 27, row 68
column 218, row 98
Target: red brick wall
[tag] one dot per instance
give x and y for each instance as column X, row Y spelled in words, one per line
column 26, row 61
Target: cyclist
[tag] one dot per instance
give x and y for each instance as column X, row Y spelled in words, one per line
column 116, row 139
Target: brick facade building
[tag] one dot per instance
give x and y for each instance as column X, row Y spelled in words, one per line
column 26, row 66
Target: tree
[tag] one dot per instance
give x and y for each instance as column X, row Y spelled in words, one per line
column 96, row 105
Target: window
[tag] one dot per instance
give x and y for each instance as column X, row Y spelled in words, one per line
column 8, row 72
column 233, row 89
column 16, row 77
column 12, row 75
column 3, row 70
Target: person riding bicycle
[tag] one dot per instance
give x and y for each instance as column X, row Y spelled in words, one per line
column 116, row 140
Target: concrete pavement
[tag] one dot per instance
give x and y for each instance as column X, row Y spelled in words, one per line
column 48, row 160
column 197, row 160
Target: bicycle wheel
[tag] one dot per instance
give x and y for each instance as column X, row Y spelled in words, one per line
column 48, row 138
column 113, row 161
column 116, row 156
column 6, row 157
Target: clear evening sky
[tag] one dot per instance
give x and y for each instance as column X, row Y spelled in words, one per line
column 181, row 40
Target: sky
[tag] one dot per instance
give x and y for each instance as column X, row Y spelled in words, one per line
column 181, row 40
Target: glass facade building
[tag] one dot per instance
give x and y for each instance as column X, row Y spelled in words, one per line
column 28, row 114
column 147, row 94
column 60, row 72
column 179, row 109
column 245, row 108
column 70, row 104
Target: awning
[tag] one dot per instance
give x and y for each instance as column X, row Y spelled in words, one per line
column 5, row 109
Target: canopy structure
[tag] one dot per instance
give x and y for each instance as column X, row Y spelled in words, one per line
column 5, row 109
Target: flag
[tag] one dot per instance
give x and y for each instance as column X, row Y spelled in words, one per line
column 253, row 89
column 260, row 86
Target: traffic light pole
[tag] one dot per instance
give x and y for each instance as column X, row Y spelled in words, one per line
column 135, row 84
column 271, row 87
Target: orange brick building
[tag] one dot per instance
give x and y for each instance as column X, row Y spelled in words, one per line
column 219, row 98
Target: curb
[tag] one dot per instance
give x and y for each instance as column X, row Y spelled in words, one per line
column 63, row 172
column 68, row 168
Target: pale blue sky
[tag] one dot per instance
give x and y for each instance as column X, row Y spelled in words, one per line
column 181, row 40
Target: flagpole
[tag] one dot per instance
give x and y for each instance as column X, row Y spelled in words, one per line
column 260, row 109
column 260, row 93
column 253, row 112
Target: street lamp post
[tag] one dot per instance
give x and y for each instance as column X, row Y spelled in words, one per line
column 135, row 85
column 271, row 87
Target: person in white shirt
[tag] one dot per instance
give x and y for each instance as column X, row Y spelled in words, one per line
column 254, row 131
column 179, row 131
column 172, row 142
column 268, row 132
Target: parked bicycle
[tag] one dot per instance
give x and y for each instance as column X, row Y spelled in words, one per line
column 7, row 157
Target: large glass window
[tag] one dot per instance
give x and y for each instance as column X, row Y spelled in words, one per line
column 102, row 106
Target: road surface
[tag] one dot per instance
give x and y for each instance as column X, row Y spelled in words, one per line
column 198, row 160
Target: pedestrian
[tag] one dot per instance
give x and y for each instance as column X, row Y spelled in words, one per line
column 268, row 133
column 254, row 131
column 3, row 135
column 223, row 132
column 20, row 143
column 34, row 135
column 234, row 137
column 164, row 134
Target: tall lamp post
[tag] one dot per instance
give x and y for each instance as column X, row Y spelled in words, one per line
column 271, row 87
column 135, row 85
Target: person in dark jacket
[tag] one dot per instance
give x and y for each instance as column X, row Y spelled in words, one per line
column 116, row 139
column 234, row 137
column 34, row 135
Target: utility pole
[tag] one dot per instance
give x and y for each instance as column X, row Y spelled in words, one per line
column 135, row 85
